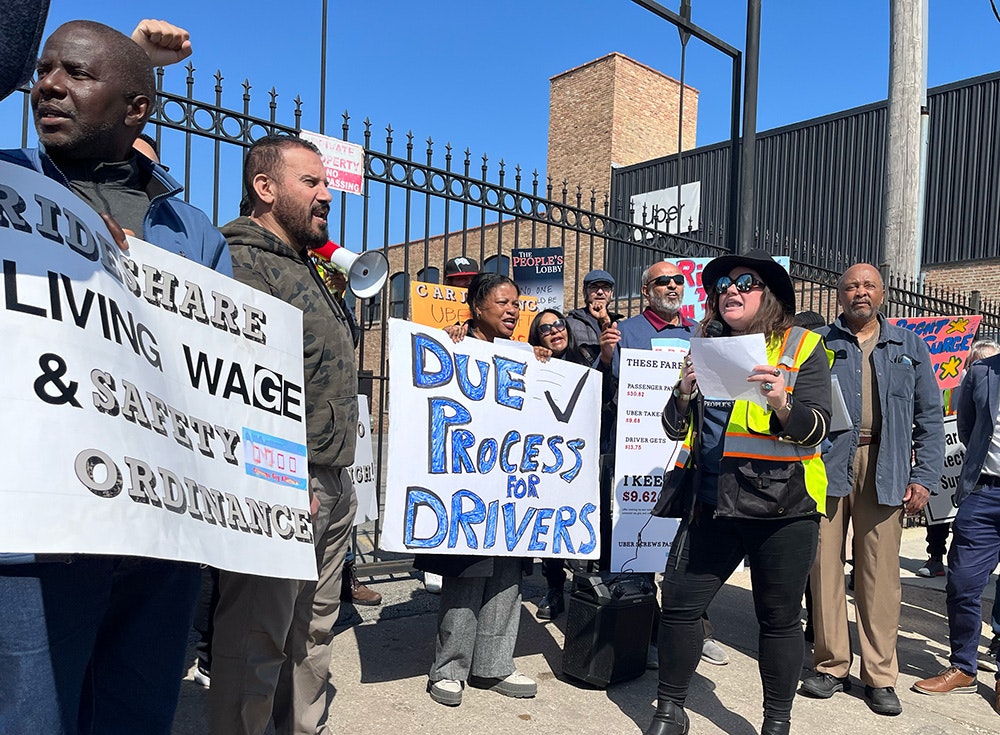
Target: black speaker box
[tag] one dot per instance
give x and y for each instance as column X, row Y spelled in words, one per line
column 608, row 628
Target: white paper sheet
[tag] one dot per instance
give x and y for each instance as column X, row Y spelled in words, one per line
column 723, row 364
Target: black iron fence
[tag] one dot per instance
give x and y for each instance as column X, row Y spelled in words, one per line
column 423, row 205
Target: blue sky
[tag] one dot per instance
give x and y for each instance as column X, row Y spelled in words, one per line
column 476, row 73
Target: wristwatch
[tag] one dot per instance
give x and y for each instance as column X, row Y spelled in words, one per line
column 685, row 396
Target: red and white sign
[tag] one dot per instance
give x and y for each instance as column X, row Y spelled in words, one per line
column 344, row 162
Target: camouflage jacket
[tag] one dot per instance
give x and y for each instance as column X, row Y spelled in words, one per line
column 262, row 260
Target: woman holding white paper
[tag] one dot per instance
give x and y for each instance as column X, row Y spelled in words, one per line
column 749, row 481
column 480, row 595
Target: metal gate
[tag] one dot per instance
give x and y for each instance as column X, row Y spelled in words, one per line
column 421, row 207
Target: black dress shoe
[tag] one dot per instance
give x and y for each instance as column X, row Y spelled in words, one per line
column 670, row 719
column 883, row 701
column 775, row 727
column 551, row 605
column 824, row 686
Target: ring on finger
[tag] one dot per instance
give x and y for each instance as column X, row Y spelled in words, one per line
column 767, row 387
column 776, row 372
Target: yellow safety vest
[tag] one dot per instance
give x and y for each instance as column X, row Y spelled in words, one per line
column 748, row 433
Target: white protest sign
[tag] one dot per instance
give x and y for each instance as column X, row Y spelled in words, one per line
column 640, row 542
column 362, row 472
column 153, row 407
column 344, row 162
column 941, row 506
column 491, row 452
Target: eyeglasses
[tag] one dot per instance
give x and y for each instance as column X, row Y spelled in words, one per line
column 678, row 280
column 745, row 283
column 601, row 286
column 559, row 325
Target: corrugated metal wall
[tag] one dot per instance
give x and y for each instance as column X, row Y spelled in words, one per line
column 820, row 183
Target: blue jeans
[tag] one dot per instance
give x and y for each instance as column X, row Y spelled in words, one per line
column 94, row 645
column 973, row 556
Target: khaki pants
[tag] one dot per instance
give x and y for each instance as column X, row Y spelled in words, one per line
column 304, row 694
column 271, row 647
column 877, row 594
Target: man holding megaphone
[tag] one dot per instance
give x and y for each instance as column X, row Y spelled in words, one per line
column 271, row 649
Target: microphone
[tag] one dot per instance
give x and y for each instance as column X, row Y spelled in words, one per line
column 713, row 329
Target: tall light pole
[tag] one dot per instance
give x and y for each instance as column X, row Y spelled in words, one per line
column 322, row 73
column 749, row 148
column 685, row 24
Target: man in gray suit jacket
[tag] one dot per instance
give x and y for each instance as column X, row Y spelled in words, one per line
column 976, row 530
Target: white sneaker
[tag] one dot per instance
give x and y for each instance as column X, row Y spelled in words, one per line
column 432, row 583
column 446, row 691
column 202, row 677
column 713, row 653
column 516, row 685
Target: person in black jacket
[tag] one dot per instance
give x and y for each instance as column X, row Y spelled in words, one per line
column 749, row 481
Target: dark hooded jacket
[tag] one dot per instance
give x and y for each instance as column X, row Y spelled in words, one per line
column 262, row 260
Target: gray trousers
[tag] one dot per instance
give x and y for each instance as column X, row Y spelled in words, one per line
column 271, row 647
column 477, row 624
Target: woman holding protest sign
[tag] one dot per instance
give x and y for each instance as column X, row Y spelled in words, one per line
column 550, row 338
column 480, row 595
column 749, row 481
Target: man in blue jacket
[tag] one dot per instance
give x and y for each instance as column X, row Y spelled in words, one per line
column 97, row 643
column 893, row 399
column 976, row 530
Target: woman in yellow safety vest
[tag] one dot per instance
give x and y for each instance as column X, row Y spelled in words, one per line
column 748, row 481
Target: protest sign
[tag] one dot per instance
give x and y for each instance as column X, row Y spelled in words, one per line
column 362, row 472
column 153, row 407
column 344, row 162
column 539, row 273
column 434, row 305
column 941, row 506
column 492, row 452
column 693, row 305
column 640, row 542
column 949, row 339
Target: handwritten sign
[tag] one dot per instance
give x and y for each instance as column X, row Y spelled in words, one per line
column 949, row 339
column 344, row 162
column 539, row 273
column 433, row 305
column 362, row 472
column 153, row 406
column 941, row 506
column 640, row 543
column 493, row 452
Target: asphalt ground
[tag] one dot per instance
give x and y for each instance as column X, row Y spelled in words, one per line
column 381, row 656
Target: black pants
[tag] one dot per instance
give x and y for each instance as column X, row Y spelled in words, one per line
column 937, row 540
column 781, row 553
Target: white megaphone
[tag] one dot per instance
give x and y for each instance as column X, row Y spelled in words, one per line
column 366, row 272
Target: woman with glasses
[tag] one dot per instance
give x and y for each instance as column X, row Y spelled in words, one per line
column 749, row 481
column 550, row 337
column 549, row 331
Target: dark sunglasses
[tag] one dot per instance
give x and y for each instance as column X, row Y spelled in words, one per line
column 559, row 325
column 664, row 280
column 744, row 283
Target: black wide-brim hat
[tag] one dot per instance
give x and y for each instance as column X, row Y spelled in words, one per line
column 771, row 273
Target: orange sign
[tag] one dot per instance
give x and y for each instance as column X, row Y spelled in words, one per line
column 434, row 305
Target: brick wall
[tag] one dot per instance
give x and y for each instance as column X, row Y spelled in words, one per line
column 968, row 276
